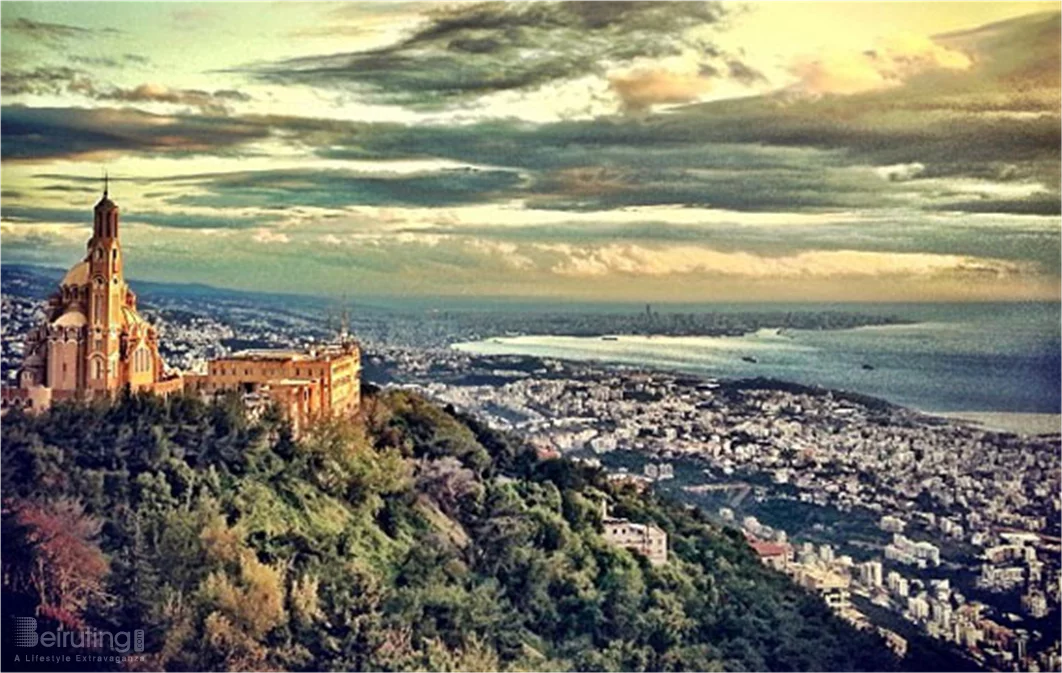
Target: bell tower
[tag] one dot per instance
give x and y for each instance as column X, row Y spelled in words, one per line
column 107, row 292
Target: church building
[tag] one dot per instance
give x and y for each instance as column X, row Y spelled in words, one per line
column 93, row 342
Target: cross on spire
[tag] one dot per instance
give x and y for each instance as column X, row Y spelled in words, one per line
column 106, row 183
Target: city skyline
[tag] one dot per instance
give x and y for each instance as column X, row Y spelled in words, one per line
column 658, row 151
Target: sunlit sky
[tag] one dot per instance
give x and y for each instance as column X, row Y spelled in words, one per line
column 595, row 151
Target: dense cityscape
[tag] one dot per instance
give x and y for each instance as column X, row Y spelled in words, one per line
column 912, row 525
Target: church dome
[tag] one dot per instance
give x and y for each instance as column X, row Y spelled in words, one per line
column 71, row 319
column 77, row 275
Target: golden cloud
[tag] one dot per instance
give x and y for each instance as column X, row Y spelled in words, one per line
column 686, row 259
column 640, row 89
column 889, row 64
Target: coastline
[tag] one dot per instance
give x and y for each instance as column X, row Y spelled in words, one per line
column 1022, row 423
column 1025, row 423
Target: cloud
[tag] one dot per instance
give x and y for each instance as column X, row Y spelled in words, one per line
column 42, row 81
column 48, row 244
column 338, row 188
column 637, row 260
column 744, row 73
column 58, row 80
column 888, row 64
column 900, row 172
column 1041, row 203
column 207, row 102
column 53, row 32
column 643, row 88
column 121, row 61
column 465, row 51
column 268, row 236
column 52, row 133
column 747, row 155
column 18, row 214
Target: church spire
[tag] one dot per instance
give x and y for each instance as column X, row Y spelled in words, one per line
column 106, row 220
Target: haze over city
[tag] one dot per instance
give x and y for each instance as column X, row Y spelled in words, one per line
column 593, row 151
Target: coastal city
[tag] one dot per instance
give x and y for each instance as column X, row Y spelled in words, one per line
column 913, row 525
column 957, row 522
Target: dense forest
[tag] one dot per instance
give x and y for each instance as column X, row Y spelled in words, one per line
column 408, row 538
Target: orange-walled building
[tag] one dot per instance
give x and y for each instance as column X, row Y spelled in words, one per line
column 305, row 384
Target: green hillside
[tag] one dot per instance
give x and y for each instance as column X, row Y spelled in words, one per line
column 409, row 539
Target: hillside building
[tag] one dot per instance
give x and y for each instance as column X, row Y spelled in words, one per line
column 646, row 539
column 305, row 384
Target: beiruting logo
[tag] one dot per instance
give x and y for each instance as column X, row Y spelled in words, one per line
column 123, row 642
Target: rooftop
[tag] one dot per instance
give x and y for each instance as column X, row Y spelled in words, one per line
column 288, row 354
column 267, row 354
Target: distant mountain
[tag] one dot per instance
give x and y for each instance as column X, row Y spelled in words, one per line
column 41, row 281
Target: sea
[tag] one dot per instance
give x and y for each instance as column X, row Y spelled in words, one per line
column 994, row 364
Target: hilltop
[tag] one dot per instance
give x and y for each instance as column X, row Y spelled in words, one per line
column 410, row 538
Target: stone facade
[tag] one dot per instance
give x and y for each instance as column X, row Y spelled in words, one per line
column 646, row 539
column 93, row 341
column 305, row 384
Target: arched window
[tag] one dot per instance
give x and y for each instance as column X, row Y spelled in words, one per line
column 97, row 369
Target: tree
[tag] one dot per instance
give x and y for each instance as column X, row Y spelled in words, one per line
column 448, row 482
column 50, row 553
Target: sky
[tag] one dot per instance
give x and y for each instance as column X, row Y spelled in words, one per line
column 591, row 151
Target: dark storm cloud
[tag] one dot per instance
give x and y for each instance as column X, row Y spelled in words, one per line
column 744, row 189
column 66, row 80
column 110, row 62
column 469, row 50
column 80, row 181
column 1043, row 203
column 190, row 221
column 71, row 189
column 40, row 81
column 216, row 102
column 46, row 133
column 724, row 156
column 997, row 122
column 333, row 189
column 874, row 129
column 30, row 215
column 35, row 214
column 56, row 80
column 52, row 32
column 744, row 73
